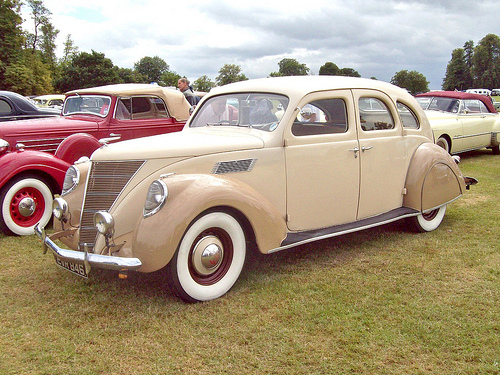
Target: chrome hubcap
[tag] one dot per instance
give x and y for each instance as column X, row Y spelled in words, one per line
column 27, row 206
column 207, row 255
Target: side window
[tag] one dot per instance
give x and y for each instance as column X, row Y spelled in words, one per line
column 140, row 108
column 123, row 109
column 482, row 107
column 374, row 115
column 472, row 106
column 5, row 108
column 408, row 118
column 325, row 116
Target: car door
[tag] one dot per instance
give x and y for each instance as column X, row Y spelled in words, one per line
column 322, row 164
column 141, row 116
column 477, row 123
column 382, row 154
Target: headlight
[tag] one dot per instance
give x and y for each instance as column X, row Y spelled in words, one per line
column 157, row 195
column 71, row 180
column 104, row 222
column 4, row 146
column 59, row 208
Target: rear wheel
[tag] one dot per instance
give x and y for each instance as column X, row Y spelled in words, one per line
column 209, row 259
column 25, row 201
column 443, row 143
column 428, row 221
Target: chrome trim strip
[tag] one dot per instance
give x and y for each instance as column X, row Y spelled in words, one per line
column 470, row 136
column 335, row 231
column 41, row 140
column 340, row 233
column 93, row 260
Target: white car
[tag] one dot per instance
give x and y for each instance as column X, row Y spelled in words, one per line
column 462, row 121
column 262, row 164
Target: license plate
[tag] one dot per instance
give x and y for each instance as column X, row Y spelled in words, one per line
column 73, row 267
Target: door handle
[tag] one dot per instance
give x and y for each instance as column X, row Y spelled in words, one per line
column 366, row 148
column 112, row 137
column 356, row 150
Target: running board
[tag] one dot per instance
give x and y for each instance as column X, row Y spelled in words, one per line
column 300, row 238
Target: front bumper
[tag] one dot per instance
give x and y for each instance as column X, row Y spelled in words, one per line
column 88, row 259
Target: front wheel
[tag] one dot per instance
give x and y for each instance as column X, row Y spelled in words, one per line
column 209, row 258
column 25, row 202
column 428, row 221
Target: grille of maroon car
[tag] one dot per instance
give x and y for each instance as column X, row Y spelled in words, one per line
column 106, row 181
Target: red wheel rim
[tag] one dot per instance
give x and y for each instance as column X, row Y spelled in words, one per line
column 428, row 216
column 18, row 213
column 225, row 264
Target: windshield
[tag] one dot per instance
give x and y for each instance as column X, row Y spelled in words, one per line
column 255, row 110
column 439, row 104
column 87, row 104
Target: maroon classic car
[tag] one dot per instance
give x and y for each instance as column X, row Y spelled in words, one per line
column 35, row 154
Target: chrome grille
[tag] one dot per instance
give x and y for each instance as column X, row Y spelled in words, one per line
column 46, row 145
column 106, row 181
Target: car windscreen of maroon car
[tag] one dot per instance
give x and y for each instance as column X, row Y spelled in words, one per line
column 87, row 104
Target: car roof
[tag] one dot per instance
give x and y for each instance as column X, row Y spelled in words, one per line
column 124, row 89
column 20, row 101
column 176, row 102
column 301, row 85
column 460, row 95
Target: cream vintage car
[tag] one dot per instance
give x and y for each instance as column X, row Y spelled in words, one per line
column 267, row 164
column 462, row 121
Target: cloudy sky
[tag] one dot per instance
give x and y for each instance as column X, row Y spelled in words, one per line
column 376, row 38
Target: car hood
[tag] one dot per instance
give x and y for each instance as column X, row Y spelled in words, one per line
column 40, row 125
column 187, row 143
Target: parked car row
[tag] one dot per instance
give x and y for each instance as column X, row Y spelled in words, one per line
column 35, row 155
column 266, row 164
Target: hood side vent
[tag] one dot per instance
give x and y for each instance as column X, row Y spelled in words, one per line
column 234, row 166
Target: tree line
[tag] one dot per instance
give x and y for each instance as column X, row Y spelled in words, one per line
column 29, row 66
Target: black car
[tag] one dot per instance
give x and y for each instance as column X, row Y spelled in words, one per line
column 16, row 107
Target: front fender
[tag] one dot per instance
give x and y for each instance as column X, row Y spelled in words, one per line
column 14, row 163
column 77, row 145
column 158, row 236
column 433, row 179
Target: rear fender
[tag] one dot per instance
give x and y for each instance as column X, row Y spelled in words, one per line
column 189, row 196
column 77, row 145
column 14, row 163
column 433, row 179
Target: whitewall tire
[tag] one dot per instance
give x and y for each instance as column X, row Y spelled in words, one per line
column 429, row 221
column 25, row 202
column 443, row 143
column 209, row 258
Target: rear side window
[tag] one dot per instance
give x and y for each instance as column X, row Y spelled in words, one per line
column 408, row 118
column 325, row 116
column 474, row 106
column 5, row 108
column 140, row 108
column 374, row 115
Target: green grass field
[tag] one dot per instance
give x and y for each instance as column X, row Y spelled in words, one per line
column 382, row 301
